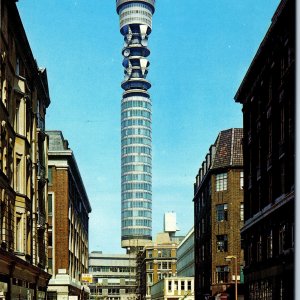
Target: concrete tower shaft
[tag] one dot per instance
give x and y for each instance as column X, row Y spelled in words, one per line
column 136, row 109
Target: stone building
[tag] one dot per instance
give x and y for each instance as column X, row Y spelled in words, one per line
column 173, row 288
column 156, row 261
column 68, row 210
column 24, row 98
column 218, row 209
column 267, row 94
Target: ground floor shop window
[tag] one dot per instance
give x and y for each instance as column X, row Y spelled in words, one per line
column 222, row 274
column 51, row 295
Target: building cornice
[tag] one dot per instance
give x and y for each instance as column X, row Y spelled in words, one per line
column 266, row 211
column 262, row 50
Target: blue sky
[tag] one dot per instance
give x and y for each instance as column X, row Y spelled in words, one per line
column 200, row 51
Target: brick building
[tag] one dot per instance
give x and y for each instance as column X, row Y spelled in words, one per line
column 68, row 210
column 267, row 93
column 218, row 209
column 24, row 98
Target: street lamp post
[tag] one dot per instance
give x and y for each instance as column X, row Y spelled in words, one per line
column 229, row 258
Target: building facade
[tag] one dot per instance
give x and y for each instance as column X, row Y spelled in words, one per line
column 218, row 209
column 156, row 261
column 267, row 94
column 68, row 218
column 174, row 288
column 186, row 256
column 136, row 157
column 24, row 98
column 114, row 276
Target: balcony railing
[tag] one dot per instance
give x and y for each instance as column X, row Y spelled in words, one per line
column 152, row 2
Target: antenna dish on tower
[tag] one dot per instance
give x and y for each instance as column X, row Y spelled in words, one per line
column 126, row 52
column 144, row 42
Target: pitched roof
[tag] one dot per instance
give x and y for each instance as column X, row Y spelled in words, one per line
column 229, row 150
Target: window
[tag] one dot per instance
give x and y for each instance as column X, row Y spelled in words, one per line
column 50, row 263
column 50, row 240
column 202, row 225
column 175, row 285
column 98, row 291
column 113, row 291
column 259, row 150
column 250, row 171
column 250, row 253
column 17, row 66
column 222, row 274
column 166, row 253
column 18, row 175
column 189, row 285
column 259, row 249
column 203, row 252
column 221, row 182
column 282, row 177
column 270, row 138
column 222, row 243
column 51, row 295
column 286, row 237
column 182, row 285
column 282, row 233
column 270, row 194
column 282, row 124
column 17, row 117
column 202, row 200
column 270, row 245
column 241, row 180
column 164, row 265
column 242, row 211
column 50, row 204
column 19, row 233
column 222, row 212
column 50, row 175
column 271, row 83
column 170, row 285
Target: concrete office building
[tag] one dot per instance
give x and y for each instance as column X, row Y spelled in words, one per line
column 68, row 210
column 136, row 171
column 267, row 94
column 186, row 256
column 218, row 208
column 114, row 276
column 24, row 98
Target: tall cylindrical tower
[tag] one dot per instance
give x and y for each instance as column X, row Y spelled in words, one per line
column 135, row 26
